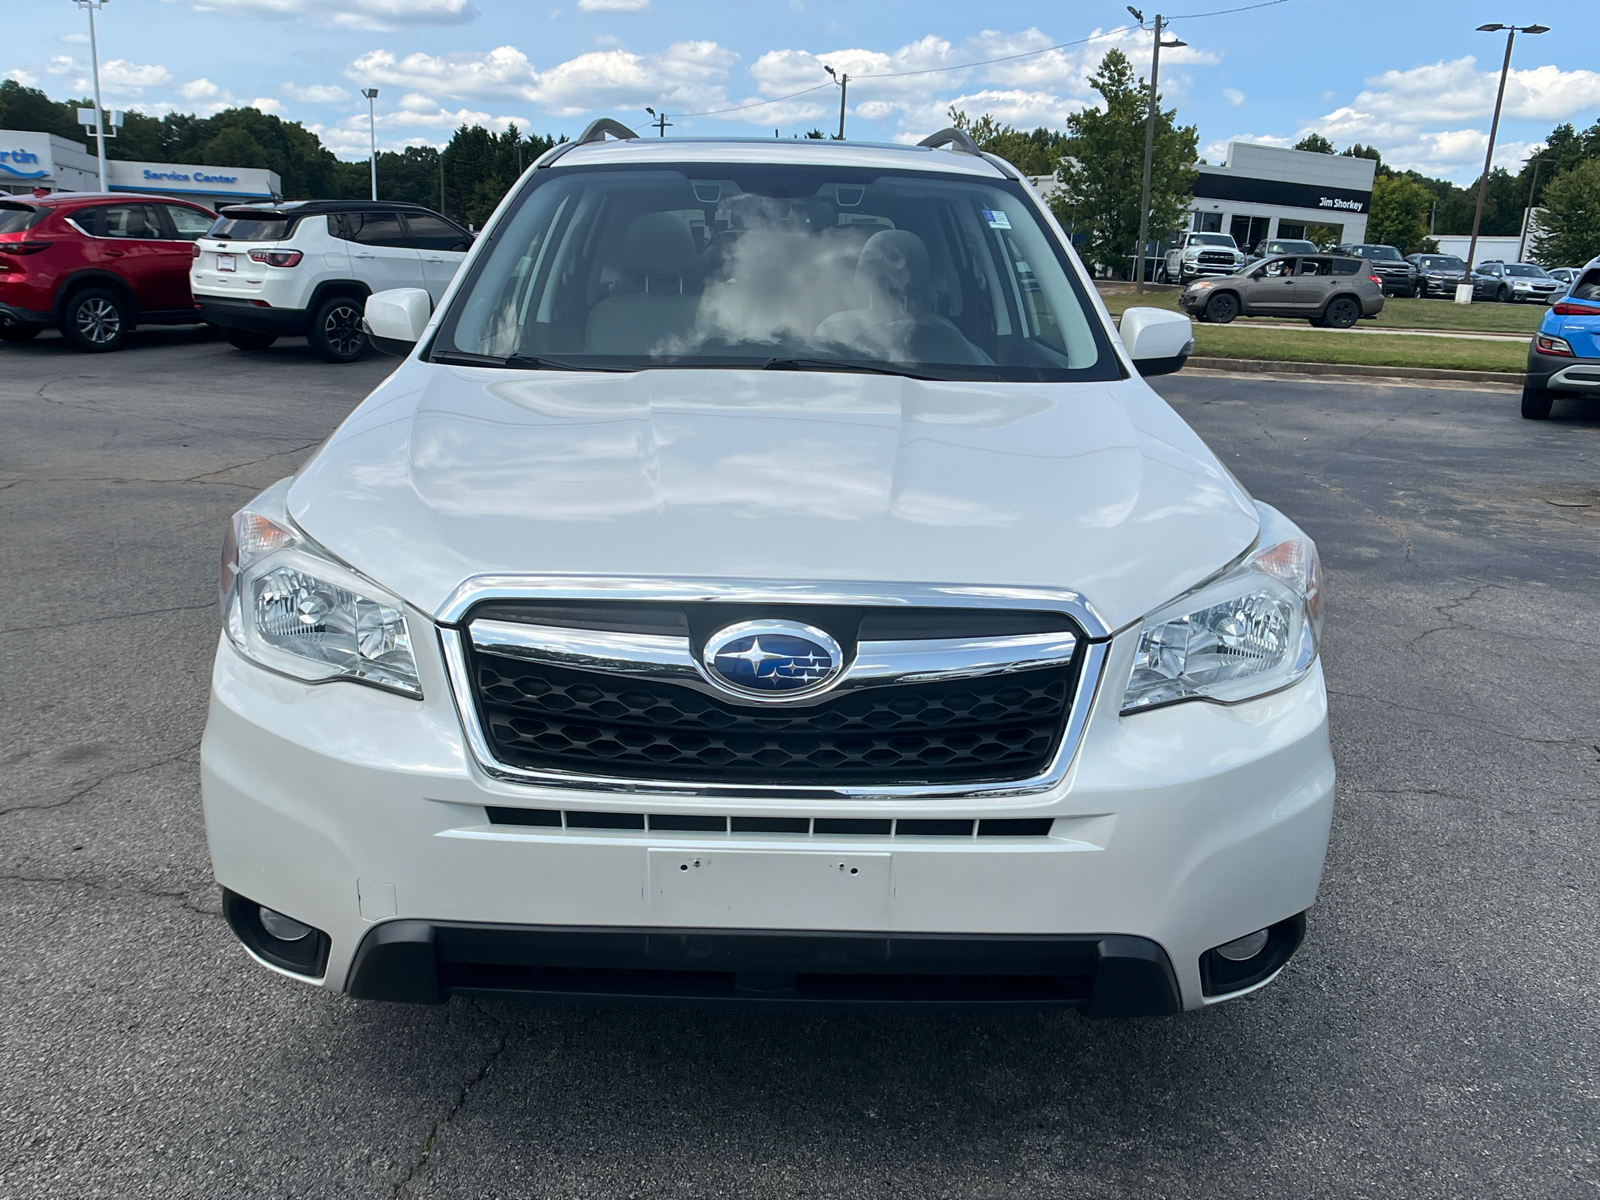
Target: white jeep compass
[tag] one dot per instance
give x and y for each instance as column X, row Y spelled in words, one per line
column 768, row 577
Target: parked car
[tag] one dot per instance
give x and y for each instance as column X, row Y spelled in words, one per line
column 1398, row 277
column 1277, row 247
column 1325, row 289
column 654, row 630
column 95, row 265
column 1438, row 274
column 1512, row 282
column 266, row 271
column 1199, row 254
column 1564, row 355
column 1566, row 275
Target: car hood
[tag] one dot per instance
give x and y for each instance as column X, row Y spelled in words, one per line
column 447, row 472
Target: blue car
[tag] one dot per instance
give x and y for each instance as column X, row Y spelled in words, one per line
column 1564, row 356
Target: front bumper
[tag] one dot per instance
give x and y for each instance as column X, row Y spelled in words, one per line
column 361, row 814
column 1430, row 285
column 230, row 312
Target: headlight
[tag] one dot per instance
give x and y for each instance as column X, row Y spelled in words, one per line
column 288, row 606
column 1191, row 255
column 1251, row 630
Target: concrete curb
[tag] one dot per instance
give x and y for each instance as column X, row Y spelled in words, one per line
column 1267, row 366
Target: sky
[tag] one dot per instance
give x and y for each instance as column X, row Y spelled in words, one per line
column 1411, row 77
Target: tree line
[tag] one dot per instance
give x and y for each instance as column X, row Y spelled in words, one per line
column 478, row 166
column 1097, row 160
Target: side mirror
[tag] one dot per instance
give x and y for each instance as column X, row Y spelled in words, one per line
column 1158, row 341
column 395, row 319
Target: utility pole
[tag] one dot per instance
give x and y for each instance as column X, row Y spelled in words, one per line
column 1527, row 213
column 99, row 109
column 844, row 87
column 372, row 129
column 1494, row 126
column 661, row 123
column 441, row 181
column 1149, row 140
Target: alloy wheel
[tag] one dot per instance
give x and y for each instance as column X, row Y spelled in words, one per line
column 341, row 328
column 99, row 321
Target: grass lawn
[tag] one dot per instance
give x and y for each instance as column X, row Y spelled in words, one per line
column 1239, row 340
column 1397, row 313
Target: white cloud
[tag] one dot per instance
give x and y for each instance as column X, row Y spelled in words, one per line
column 688, row 74
column 385, row 16
column 75, row 39
column 199, row 89
column 62, row 64
column 25, row 78
column 1233, row 96
column 316, row 93
column 614, row 5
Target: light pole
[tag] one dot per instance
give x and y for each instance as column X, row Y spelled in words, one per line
column 99, row 110
column 844, row 86
column 661, row 123
column 1494, row 125
column 372, row 129
column 1527, row 214
column 1149, row 140
column 441, row 180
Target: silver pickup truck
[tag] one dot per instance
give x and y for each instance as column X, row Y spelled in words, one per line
column 1199, row 254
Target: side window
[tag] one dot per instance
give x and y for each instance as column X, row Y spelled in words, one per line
column 381, row 229
column 430, row 232
column 1345, row 266
column 190, row 223
column 131, row 221
column 1316, row 266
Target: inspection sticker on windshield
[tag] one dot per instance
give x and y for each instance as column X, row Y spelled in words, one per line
column 997, row 220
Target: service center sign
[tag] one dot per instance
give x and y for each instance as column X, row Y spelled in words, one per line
column 1210, row 186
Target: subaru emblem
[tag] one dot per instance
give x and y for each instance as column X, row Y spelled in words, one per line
column 772, row 660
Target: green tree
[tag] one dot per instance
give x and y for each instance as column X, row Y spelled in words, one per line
column 1569, row 228
column 30, row 109
column 1399, row 214
column 1315, row 143
column 1036, row 153
column 1104, row 162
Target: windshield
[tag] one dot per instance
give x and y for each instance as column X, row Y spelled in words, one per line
column 1435, row 262
column 1211, row 239
column 734, row 265
column 1291, row 248
column 14, row 218
column 1526, row 270
column 265, row 228
column 1380, row 252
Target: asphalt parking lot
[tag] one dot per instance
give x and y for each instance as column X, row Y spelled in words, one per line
column 1438, row 1035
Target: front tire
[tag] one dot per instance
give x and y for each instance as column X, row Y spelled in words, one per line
column 248, row 339
column 96, row 321
column 1503, row 296
column 336, row 332
column 17, row 334
column 1536, row 402
column 1342, row 312
column 1221, row 308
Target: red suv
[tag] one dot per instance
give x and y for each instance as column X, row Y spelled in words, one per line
column 95, row 264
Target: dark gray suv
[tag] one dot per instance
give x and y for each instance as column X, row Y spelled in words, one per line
column 1398, row 277
column 1325, row 289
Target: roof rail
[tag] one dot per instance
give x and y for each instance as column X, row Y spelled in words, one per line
column 597, row 130
column 959, row 138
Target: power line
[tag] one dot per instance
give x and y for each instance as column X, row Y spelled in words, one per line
column 984, row 62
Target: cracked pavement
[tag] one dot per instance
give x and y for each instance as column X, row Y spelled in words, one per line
column 1437, row 1036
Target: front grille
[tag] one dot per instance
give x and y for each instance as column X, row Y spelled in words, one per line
column 999, row 728
column 552, row 718
column 555, row 818
column 1216, row 258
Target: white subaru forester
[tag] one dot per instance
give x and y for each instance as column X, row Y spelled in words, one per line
column 768, row 577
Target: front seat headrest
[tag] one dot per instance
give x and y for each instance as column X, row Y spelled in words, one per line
column 659, row 243
column 894, row 264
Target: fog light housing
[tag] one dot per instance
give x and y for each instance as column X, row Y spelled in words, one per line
column 1244, row 962
column 276, row 939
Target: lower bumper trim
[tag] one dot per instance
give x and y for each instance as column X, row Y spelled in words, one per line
column 232, row 313
column 1105, row 975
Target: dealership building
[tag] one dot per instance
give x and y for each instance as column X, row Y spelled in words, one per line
column 35, row 161
column 1264, row 192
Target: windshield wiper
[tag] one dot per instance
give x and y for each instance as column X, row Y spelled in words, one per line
column 843, row 364
column 518, row 362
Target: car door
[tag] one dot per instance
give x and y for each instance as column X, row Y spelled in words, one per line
column 182, row 226
column 1313, row 284
column 128, row 242
column 1271, row 287
column 381, row 254
column 442, row 246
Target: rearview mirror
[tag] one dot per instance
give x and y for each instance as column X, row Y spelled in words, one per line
column 395, row 319
column 1158, row 341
